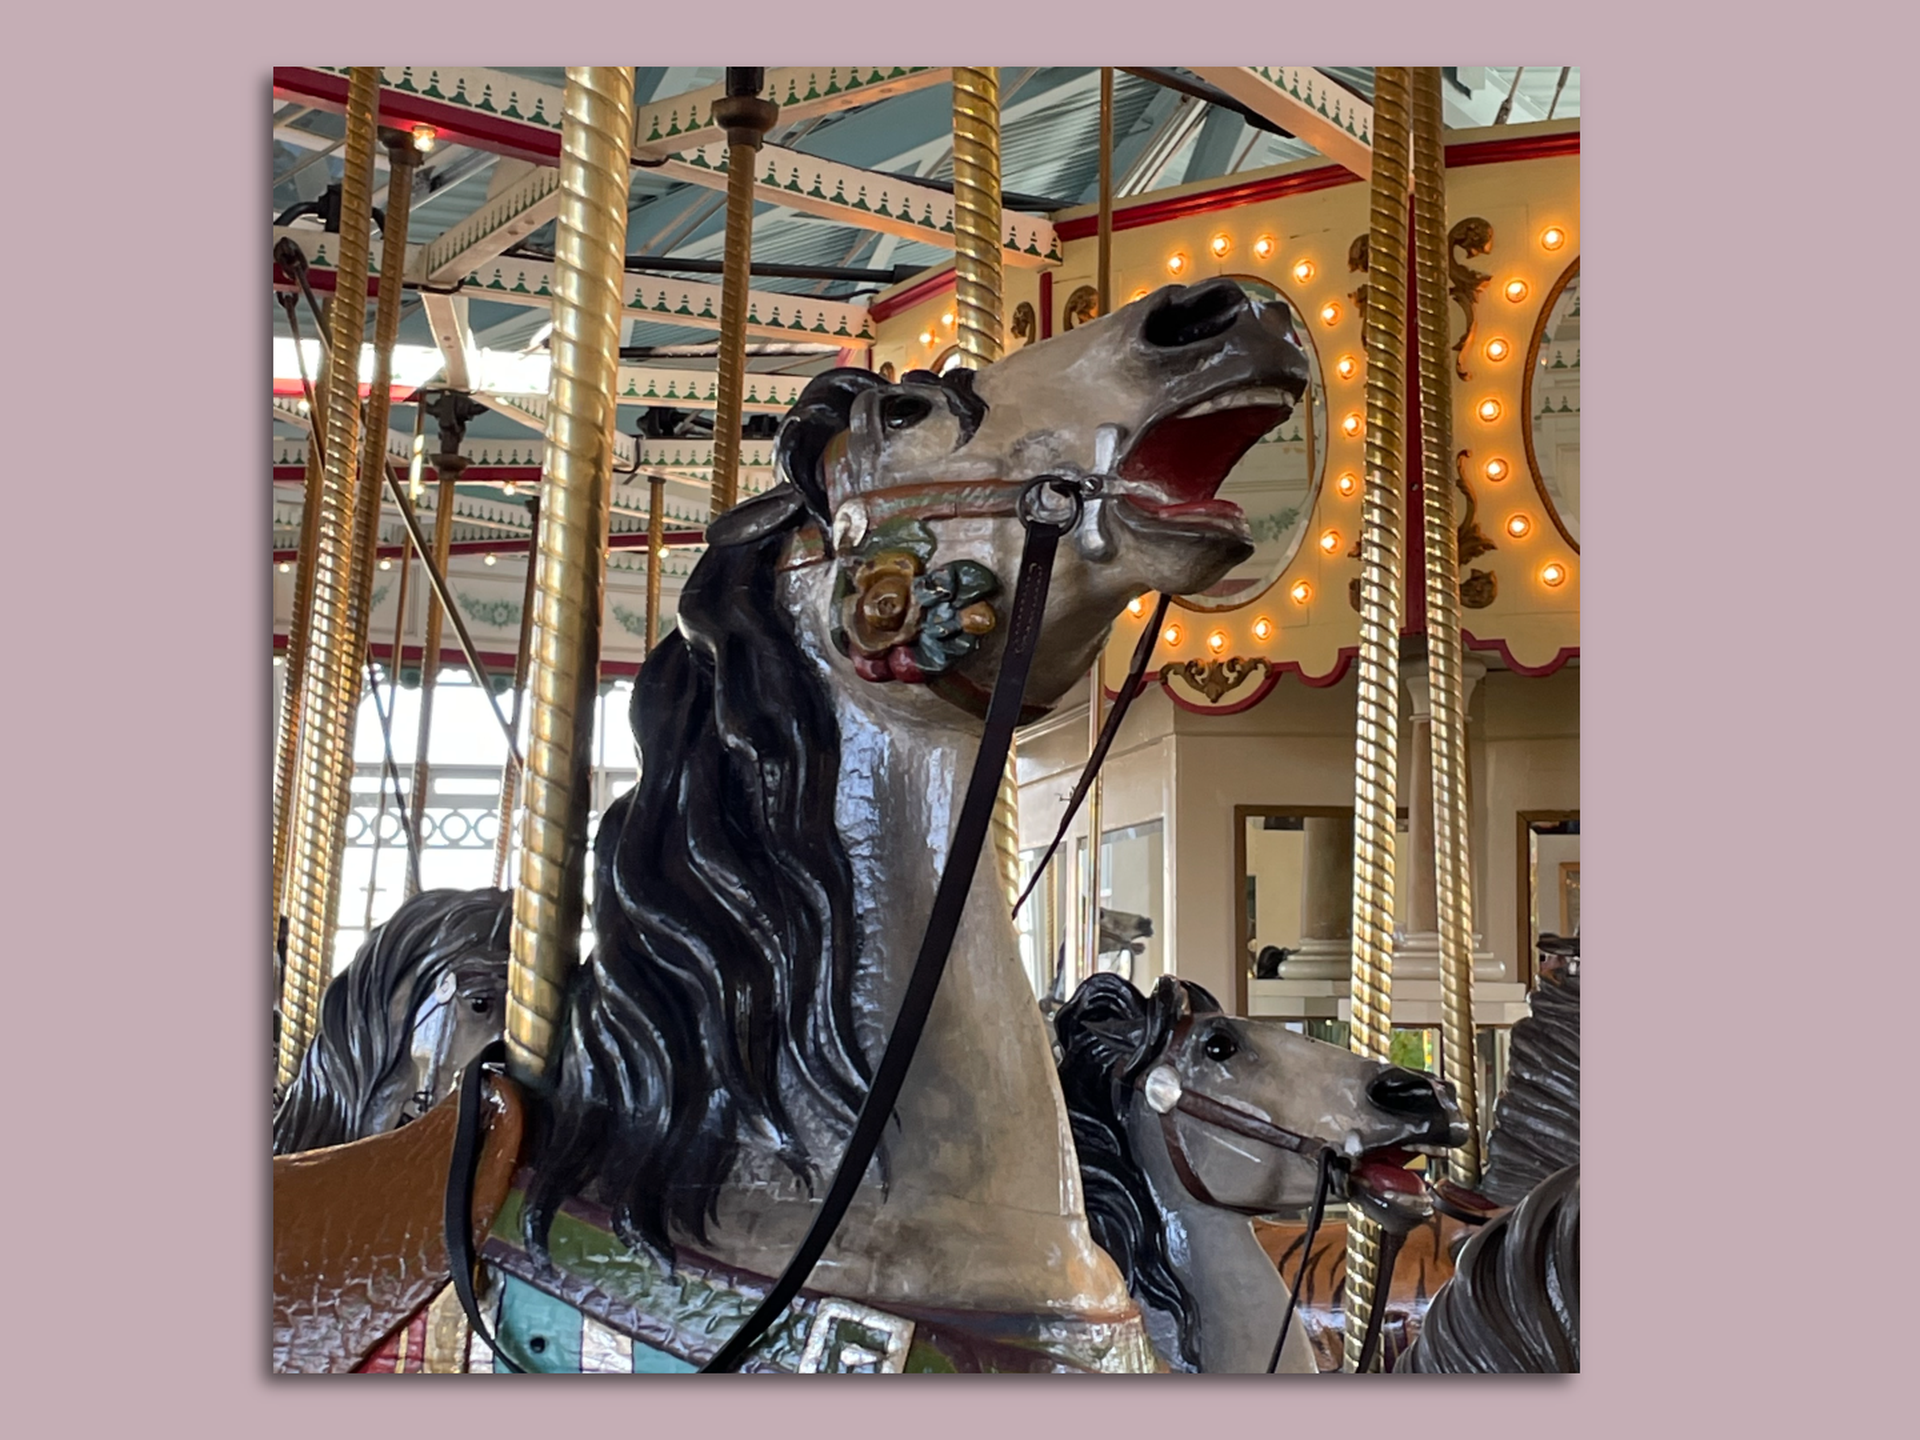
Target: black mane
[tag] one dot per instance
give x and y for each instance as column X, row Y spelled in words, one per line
column 1108, row 1034
column 724, row 900
column 358, row 1050
column 1536, row 1120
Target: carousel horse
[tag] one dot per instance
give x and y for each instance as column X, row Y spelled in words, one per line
column 762, row 893
column 423, row 996
column 1187, row 1122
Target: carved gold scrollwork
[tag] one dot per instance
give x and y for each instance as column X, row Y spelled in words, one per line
column 1471, row 236
column 1026, row 324
column 1082, row 305
column 1357, row 261
column 1478, row 589
column 1214, row 678
column 1473, row 541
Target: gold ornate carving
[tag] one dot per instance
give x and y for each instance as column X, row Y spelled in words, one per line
column 887, row 372
column 1357, row 262
column 1214, row 678
column 1471, row 236
column 1473, row 541
column 1026, row 324
column 1478, row 590
column 1082, row 305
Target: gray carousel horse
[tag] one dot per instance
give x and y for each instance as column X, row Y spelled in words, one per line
column 423, row 996
column 1189, row 1122
column 762, row 893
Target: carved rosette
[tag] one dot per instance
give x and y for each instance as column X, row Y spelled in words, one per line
column 1215, row 679
column 896, row 619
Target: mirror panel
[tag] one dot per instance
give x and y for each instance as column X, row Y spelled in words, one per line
column 1553, row 405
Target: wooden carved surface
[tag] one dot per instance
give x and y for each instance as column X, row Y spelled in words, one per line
column 1213, row 678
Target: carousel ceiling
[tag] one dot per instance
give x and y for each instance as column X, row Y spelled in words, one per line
column 480, row 224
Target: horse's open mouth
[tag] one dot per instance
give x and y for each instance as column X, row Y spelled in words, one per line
column 1174, row 467
column 1379, row 1181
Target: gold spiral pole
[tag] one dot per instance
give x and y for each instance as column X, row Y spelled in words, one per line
column 286, row 771
column 656, row 557
column 1377, row 716
column 575, row 494
column 746, row 119
column 1453, row 888
column 522, row 657
column 330, row 685
column 979, row 303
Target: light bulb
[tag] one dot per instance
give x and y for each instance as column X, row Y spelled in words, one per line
column 1330, row 541
column 1171, row 634
column 1140, row 294
column 1516, row 290
column 1303, row 272
column 1135, row 608
column 1263, row 248
column 424, row 137
column 1553, row 573
column 1350, row 425
column 1301, row 592
column 490, row 558
column 1519, row 525
column 511, row 487
column 926, row 337
column 1345, row 369
column 947, row 319
column 1217, row 641
column 1176, row 262
column 1552, row 238
column 286, row 566
column 1347, row 483
column 1489, row 410
column 1330, row 313
column 1496, row 470
column 1220, row 245
column 1263, row 629
column 385, row 563
column 1497, row 349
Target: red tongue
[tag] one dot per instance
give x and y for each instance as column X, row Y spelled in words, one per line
column 1381, row 1170
column 1190, row 457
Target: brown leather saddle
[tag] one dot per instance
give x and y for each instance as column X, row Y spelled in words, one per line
column 358, row 1231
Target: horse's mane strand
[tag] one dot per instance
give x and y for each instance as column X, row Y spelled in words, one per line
column 724, row 903
column 358, row 1049
column 1513, row 1304
column 1107, row 1033
column 1536, row 1120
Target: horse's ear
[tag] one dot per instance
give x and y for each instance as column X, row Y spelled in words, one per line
column 1169, row 1004
column 824, row 409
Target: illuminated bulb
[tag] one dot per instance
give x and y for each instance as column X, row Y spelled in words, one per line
column 926, row 337
column 1301, row 592
column 947, row 319
column 423, row 138
column 490, row 558
column 1489, row 410
column 1497, row 349
column 1350, row 425
column 1135, row 608
column 1346, row 367
column 1518, row 526
column 1553, row 573
column 1496, row 470
column 1330, row 541
column 1217, row 640
column 386, row 564
column 1176, row 262
column 1140, row 294
column 286, row 566
column 1263, row 629
column 1347, row 483
column 1516, row 290
column 1220, row 245
column 512, row 487
column 1330, row 313
column 1263, row 248
column 1552, row 238
column 1303, row 272
column 1171, row 634
column 304, row 407
column 661, row 554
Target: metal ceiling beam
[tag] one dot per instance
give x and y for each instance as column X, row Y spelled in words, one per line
column 679, row 123
column 1489, row 86
column 447, row 314
column 1303, row 101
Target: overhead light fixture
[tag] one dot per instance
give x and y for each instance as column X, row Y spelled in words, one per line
column 286, row 566
column 386, row 563
column 490, row 558
column 424, row 138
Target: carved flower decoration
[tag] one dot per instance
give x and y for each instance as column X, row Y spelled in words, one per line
column 897, row 620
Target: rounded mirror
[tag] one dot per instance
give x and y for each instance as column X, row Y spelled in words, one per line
column 1276, row 481
column 1553, row 405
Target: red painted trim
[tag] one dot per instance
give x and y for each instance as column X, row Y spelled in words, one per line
column 495, row 661
column 456, row 124
column 891, row 305
column 633, row 540
column 286, row 389
column 1305, row 182
column 323, row 281
column 473, row 474
column 1046, row 304
column 1559, row 661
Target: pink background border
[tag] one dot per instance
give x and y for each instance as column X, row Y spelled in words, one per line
column 137, row 1293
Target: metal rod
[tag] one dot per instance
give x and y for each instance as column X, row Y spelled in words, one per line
column 1558, row 86
column 1096, row 687
column 746, row 118
column 1104, row 269
column 411, row 885
column 549, row 900
column 390, row 774
column 1452, row 864
column 430, row 645
column 1506, row 105
column 1377, row 713
column 330, row 684
column 510, row 772
column 656, row 553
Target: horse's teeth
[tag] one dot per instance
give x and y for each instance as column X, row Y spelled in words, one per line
column 1352, row 1145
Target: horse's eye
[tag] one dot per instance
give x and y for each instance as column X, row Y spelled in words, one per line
column 1219, row 1045
column 479, row 1004
column 897, row 412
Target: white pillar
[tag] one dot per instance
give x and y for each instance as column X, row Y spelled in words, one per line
column 1416, row 956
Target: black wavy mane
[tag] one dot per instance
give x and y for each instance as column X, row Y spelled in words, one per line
column 1536, row 1120
column 1107, row 1035
column 358, row 1049
column 1513, row 1304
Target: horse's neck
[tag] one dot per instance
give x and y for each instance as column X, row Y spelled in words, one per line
column 1240, row 1295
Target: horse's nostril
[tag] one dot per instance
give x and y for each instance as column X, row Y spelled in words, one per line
column 1199, row 312
column 1402, row 1092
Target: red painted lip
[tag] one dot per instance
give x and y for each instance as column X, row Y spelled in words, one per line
column 1384, row 1172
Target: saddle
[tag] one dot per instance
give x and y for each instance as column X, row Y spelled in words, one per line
column 358, row 1239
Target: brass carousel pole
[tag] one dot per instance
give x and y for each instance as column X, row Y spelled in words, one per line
column 746, row 119
column 1377, row 716
column 656, row 556
column 1096, row 686
column 1451, row 863
column 448, row 464
column 978, row 328
column 510, row 773
column 575, row 496
column 330, row 685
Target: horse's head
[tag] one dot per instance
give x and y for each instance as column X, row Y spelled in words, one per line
column 917, row 483
column 1242, row 1109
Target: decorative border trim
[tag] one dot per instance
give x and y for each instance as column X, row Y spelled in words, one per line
column 938, row 283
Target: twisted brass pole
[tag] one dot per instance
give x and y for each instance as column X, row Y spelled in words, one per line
column 449, row 467
column 746, row 119
column 330, row 685
column 1096, row 686
column 656, row 554
column 1103, row 267
column 1377, row 714
column 522, row 657
column 575, row 498
column 979, row 303
column 1453, row 890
